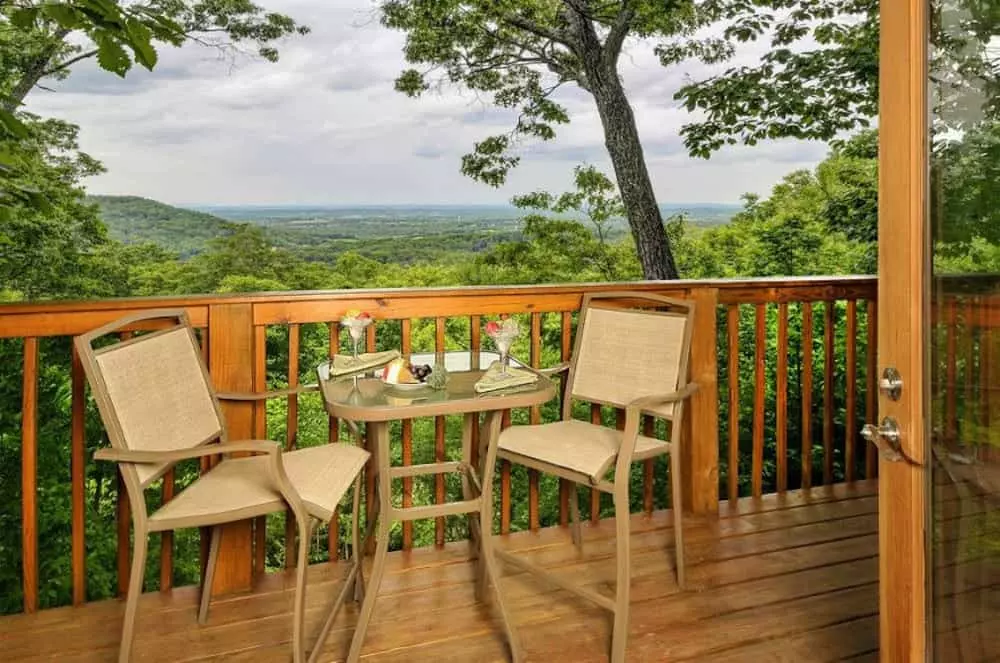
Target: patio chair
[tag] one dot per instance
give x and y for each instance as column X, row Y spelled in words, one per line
column 634, row 358
column 159, row 407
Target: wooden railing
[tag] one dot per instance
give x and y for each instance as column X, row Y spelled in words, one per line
column 780, row 409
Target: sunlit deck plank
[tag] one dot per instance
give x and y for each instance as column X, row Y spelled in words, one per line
column 768, row 576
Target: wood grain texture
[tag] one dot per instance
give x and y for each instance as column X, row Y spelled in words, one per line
column 794, row 579
column 807, row 393
column 829, row 362
column 439, row 440
column 333, row 435
column 851, row 387
column 70, row 318
column 78, row 476
column 700, row 450
column 260, row 433
column 167, row 537
column 292, row 433
column 759, row 395
column 903, row 304
column 406, row 332
column 29, row 475
column 781, row 399
column 231, row 354
column 733, row 375
column 951, row 373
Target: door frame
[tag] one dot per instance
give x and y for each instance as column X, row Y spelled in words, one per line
column 903, row 304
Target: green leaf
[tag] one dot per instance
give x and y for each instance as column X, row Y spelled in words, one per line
column 24, row 17
column 139, row 41
column 65, row 15
column 11, row 125
column 111, row 56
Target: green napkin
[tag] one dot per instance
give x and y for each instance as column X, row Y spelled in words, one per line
column 347, row 364
column 493, row 379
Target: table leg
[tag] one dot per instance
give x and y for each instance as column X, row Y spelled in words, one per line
column 379, row 443
column 469, row 491
column 489, row 569
column 372, row 480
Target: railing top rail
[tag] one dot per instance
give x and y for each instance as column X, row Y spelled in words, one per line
column 57, row 318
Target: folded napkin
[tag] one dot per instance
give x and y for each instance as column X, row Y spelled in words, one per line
column 493, row 379
column 347, row 364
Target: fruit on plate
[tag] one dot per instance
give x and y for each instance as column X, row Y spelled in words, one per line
column 398, row 372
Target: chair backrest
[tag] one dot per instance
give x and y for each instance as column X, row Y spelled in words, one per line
column 625, row 353
column 153, row 390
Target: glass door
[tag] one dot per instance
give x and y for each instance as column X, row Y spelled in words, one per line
column 964, row 339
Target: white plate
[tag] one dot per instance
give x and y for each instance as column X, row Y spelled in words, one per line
column 406, row 386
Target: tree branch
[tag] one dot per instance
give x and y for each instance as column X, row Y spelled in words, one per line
column 620, row 30
column 68, row 63
column 558, row 36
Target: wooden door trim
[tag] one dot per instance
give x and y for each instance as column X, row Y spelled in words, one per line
column 903, row 306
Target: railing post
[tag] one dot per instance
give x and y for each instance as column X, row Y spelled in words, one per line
column 700, row 445
column 230, row 361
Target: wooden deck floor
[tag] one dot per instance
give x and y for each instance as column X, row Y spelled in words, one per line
column 791, row 578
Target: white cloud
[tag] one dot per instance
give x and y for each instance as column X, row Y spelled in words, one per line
column 324, row 125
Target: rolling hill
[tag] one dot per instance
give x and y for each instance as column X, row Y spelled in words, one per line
column 132, row 220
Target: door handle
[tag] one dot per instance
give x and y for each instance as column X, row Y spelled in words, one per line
column 888, row 439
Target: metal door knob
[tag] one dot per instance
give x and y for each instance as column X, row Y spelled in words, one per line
column 886, row 437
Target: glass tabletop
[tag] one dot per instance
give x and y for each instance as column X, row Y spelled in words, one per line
column 369, row 399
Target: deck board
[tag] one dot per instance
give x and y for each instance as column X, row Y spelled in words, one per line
column 779, row 578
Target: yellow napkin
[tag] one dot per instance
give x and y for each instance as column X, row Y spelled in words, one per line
column 493, row 379
column 347, row 364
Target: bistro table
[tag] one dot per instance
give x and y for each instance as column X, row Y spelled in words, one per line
column 368, row 400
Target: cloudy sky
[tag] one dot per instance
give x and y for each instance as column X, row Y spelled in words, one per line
column 324, row 126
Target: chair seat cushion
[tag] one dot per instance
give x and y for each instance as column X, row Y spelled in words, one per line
column 239, row 488
column 574, row 445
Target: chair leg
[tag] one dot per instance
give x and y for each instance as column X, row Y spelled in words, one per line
column 678, row 507
column 574, row 514
column 619, row 636
column 489, row 568
column 301, row 571
column 134, row 591
column 206, row 582
column 371, row 593
column 357, row 554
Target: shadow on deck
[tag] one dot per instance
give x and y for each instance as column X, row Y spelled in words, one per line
column 790, row 578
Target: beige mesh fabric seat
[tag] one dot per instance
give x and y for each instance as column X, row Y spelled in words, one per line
column 158, row 406
column 633, row 357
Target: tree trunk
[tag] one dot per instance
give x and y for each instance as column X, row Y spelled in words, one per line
column 621, row 137
column 599, row 64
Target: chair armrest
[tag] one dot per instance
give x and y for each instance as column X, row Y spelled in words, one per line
column 644, row 403
column 265, row 395
column 553, row 370
column 132, row 456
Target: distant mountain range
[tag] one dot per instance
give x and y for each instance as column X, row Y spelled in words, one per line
column 132, row 219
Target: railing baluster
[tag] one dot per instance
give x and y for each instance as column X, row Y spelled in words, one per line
column 871, row 406
column 260, row 432
column 78, row 476
column 733, row 348
column 291, row 433
column 407, row 435
column 985, row 357
column 565, row 353
column 807, row 393
column 439, row 440
column 369, row 443
column 29, row 475
column 970, row 357
column 760, row 352
column 951, row 370
column 167, row 536
column 333, row 435
column 851, row 359
column 535, row 417
column 828, row 385
column 781, row 398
